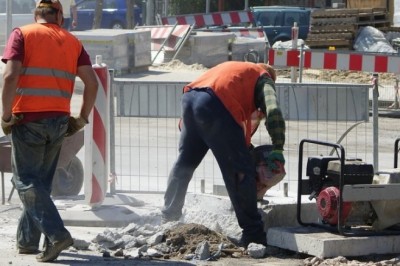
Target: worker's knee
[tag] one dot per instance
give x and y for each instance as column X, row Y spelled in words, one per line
column 240, row 176
column 29, row 195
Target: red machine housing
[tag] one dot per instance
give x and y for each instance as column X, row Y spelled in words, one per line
column 328, row 206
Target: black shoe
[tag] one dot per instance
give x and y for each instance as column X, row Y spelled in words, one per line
column 52, row 251
column 27, row 251
column 258, row 239
column 165, row 219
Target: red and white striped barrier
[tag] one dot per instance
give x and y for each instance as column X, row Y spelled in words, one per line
column 160, row 33
column 241, row 32
column 210, row 19
column 336, row 60
column 97, row 140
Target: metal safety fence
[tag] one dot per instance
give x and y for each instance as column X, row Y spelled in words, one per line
column 146, row 135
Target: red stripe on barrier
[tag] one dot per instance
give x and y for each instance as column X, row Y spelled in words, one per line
column 381, row 63
column 99, row 135
column 355, row 62
column 271, row 57
column 97, row 192
column 293, row 58
column 217, row 19
column 235, row 17
column 172, row 42
column 330, row 61
column 200, row 22
column 307, row 59
column 250, row 16
column 181, row 20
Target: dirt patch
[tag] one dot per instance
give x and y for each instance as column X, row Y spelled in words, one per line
column 340, row 76
column 179, row 65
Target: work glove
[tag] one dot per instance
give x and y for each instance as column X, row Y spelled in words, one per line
column 6, row 126
column 75, row 124
column 273, row 157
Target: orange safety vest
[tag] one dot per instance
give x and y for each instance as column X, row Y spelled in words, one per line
column 49, row 68
column 234, row 84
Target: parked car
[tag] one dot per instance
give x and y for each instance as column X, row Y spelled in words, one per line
column 277, row 21
column 113, row 16
column 22, row 14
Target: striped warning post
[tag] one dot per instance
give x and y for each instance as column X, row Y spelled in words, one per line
column 97, row 140
column 160, row 33
column 332, row 60
column 210, row 19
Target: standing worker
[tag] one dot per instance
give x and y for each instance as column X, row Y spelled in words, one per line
column 217, row 112
column 42, row 61
column 69, row 6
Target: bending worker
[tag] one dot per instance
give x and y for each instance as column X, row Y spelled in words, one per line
column 42, row 61
column 217, row 112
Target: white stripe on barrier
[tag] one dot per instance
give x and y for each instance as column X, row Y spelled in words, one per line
column 368, row 63
column 226, row 17
column 342, row 61
column 394, row 65
column 317, row 61
column 208, row 20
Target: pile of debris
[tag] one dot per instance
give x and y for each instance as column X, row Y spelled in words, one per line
column 174, row 240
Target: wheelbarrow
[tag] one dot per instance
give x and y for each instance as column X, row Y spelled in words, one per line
column 68, row 178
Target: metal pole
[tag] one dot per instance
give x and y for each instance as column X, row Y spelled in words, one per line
column 266, row 50
column 166, row 8
column 9, row 19
column 301, row 63
column 295, row 36
column 112, row 134
column 207, row 6
column 396, row 97
column 150, row 12
column 375, row 95
column 246, row 5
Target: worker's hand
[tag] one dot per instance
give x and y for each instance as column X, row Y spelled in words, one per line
column 274, row 157
column 6, row 125
column 74, row 125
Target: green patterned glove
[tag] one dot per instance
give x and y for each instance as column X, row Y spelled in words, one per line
column 275, row 155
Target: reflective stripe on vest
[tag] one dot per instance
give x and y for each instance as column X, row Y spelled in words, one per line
column 53, row 92
column 38, row 71
column 43, row 92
